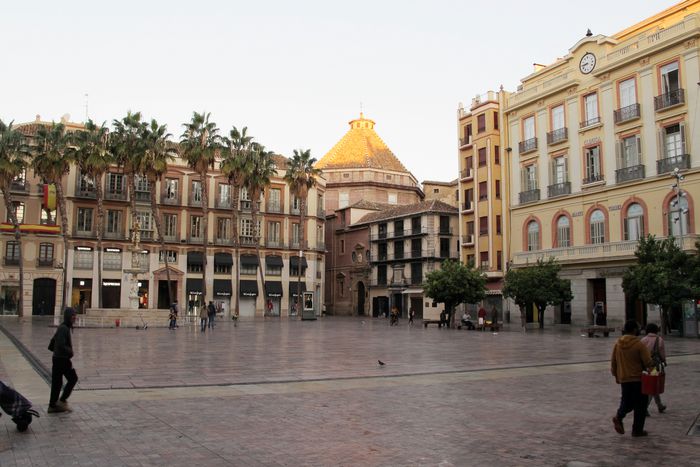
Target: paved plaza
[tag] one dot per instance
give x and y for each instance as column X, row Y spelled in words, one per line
column 280, row 392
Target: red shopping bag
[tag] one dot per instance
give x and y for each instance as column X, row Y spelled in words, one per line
column 653, row 385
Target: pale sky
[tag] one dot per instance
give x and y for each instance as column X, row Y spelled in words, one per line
column 293, row 72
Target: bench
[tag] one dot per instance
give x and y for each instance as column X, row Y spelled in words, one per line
column 426, row 322
column 593, row 330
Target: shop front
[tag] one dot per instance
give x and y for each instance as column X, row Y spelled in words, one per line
column 273, row 292
column 143, row 293
column 222, row 297
column 9, row 296
column 195, row 299
column 293, row 294
column 249, row 295
column 111, row 293
column 81, row 296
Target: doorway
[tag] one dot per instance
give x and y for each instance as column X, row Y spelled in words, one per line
column 163, row 298
column 599, row 301
column 81, row 297
column 360, row 299
column 417, row 306
column 44, row 297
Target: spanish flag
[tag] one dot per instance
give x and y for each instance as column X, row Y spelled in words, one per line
column 49, row 197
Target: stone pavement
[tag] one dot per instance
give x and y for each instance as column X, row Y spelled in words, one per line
column 279, row 392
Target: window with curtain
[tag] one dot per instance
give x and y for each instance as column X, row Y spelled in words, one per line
column 533, row 236
column 558, row 117
column 634, row 222
column 628, row 93
column 590, row 107
column 597, row 224
column 563, row 232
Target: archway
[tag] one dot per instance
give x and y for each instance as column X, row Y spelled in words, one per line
column 360, row 298
column 44, row 296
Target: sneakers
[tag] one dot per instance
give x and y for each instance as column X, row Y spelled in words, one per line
column 662, row 408
column 618, row 425
column 639, row 433
column 60, row 407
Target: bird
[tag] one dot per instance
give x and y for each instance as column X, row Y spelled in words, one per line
column 381, row 363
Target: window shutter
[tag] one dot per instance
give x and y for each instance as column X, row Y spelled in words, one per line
column 662, row 143
column 620, row 154
column 638, row 143
column 683, row 144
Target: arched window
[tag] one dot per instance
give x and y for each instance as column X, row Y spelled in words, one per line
column 678, row 216
column 533, row 236
column 597, row 222
column 563, row 232
column 634, row 222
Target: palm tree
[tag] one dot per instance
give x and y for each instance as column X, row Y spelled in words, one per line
column 13, row 163
column 262, row 168
column 301, row 176
column 200, row 144
column 235, row 164
column 51, row 161
column 93, row 158
column 159, row 152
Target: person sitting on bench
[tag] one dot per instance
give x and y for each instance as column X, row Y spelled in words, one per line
column 467, row 321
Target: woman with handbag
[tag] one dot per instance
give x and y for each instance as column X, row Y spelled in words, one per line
column 656, row 346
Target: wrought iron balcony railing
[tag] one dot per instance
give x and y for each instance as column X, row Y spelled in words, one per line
column 625, row 114
column 668, row 164
column 559, row 189
column 627, row 174
column 669, row 99
column 558, row 135
column 527, row 145
column 529, row 196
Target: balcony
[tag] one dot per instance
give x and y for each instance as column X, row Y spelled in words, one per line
column 320, row 213
column 246, row 205
column 119, row 195
column 590, row 122
column 19, row 186
column 273, row 208
column 527, row 146
column 445, row 231
column 379, row 282
column 558, row 135
column 559, row 189
column 464, row 142
column 414, row 254
column 247, row 240
column 195, row 201
column 274, row 243
column 320, row 246
column 669, row 99
column 223, row 241
column 223, row 203
column 171, row 200
column 669, row 164
column 627, row 174
column 467, row 206
column 169, row 238
column 85, row 192
column 44, row 262
column 142, row 196
column 593, row 178
column 296, row 212
column 296, row 245
column 529, row 196
column 625, row 114
column 196, row 240
column 83, row 233
column 113, row 235
column 466, row 173
column 11, row 261
column 400, row 233
column 468, row 240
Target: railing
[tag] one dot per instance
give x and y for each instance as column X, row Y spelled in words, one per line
column 590, row 122
column 273, row 208
column 223, row 241
column 627, row 174
column 296, row 245
column 115, row 195
column 559, row 189
column 527, row 145
column 445, row 231
column 143, row 196
column 466, row 173
column 414, row 254
column 625, row 114
column 558, row 135
column 44, row 262
column 170, row 201
column 593, row 178
column 170, row 238
column 295, row 211
column 247, row 241
column 114, row 235
column 147, row 234
column 400, row 233
column 465, row 141
column 321, row 246
column 195, row 240
column 274, row 243
column 669, row 99
column 11, row 261
column 668, row 164
column 529, row 196
column 245, row 205
column 468, row 239
column 85, row 192
column 83, row 233
column 22, row 187
column 320, row 212
column 467, row 206
column 193, row 201
column 223, row 203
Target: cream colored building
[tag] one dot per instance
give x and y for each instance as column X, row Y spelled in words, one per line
column 594, row 141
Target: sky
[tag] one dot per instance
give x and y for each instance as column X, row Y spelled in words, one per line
column 294, row 72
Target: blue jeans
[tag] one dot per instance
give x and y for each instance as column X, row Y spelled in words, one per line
column 211, row 321
column 204, row 324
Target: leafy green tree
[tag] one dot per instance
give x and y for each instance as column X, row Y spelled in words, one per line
column 455, row 283
column 662, row 275
column 13, row 163
column 301, row 176
column 539, row 284
column 92, row 155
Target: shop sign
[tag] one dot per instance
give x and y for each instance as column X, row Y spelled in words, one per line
column 111, row 284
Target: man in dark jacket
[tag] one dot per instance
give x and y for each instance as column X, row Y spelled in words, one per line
column 62, row 366
column 629, row 358
column 211, row 314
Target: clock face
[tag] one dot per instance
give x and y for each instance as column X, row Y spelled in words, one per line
column 587, row 63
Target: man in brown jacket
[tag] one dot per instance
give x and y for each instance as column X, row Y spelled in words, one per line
column 629, row 358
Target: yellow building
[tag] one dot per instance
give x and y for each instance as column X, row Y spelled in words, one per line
column 481, row 185
column 595, row 142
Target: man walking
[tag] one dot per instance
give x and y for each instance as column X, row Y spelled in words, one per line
column 629, row 358
column 211, row 314
column 62, row 346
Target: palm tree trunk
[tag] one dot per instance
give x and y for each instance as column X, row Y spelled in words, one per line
column 236, row 244
column 100, row 229
column 256, row 239
column 12, row 215
column 205, row 232
column 159, row 231
column 64, row 228
column 302, row 219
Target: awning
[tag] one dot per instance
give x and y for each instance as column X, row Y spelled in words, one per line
column 274, row 261
column 195, row 257
column 224, row 259
column 222, row 288
column 249, row 260
column 294, row 262
column 194, row 286
column 273, row 288
column 248, row 288
column 293, row 288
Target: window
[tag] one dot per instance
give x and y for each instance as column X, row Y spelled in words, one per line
column 499, row 260
column 170, row 225
column 82, row 259
column 498, row 189
column 18, row 208
column 142, row 184
column 483, row 191
column 146, row 223
column 529, row 128
column 392, row 198
column 597, row 224
column 12, row 253
column 558, row 170
column 590, row 109
column 273, row 270
column 273, row 233
column 634, row 222
column 382, row 230
column 295, row 234
column 468, row 133
column 382, row 251
column 84, row 220
column 45, row 252
column 498, row 224
column 482, row 157
column 223, row 228
column 47, row 217
column 445, row 248
column 533, row 236
column 171, row 189
column 484, row 225
column 470, row 228
column 398, row 249
column 469, row 163
column 398, row 228
column 629, row 152
column 224, row 195
column 673, row 139
column 529, row 174
column 628, row 93
column 343, row 199
column 563, row 232
column 481, row 123
column 196, row 196
column 416, row 247
column 593, row 170
column 87, row 184
column 341, row 287
column 484, row 260
column 170, row 255
column 113, row 223
column 558, row 122
column 468, row 198
column 670, row 79
column 112, row 259
column 497, row 155
column 195, row 226
column 678, row 216
column 296, row 204
column 381, row 274
column 115, row 183
column 416, row 273
column 342, row 246
column 274, row 200
column 495, row 120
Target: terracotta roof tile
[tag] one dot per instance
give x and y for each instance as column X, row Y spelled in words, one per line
column 435, row 206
